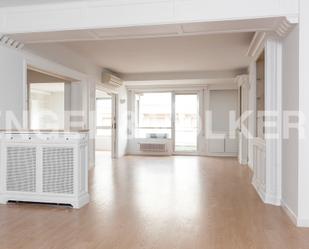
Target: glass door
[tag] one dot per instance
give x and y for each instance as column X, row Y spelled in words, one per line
column 186, row 123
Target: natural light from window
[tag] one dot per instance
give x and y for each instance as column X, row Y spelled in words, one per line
column 153, row 115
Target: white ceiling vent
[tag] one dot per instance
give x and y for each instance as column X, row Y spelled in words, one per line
column 110, row 78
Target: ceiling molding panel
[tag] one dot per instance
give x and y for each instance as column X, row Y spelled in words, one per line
column 189, row 29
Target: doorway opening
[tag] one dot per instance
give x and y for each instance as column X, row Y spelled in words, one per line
column 105, row 123
column 48, row 99
column 186, row 123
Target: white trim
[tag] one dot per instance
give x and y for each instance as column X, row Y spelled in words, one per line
column 273, row 102
column 179, row 87
column 224, row 154
column 84, row 14
column 289, row 212
column 256, row 44
column 302, row 222
column 285, row 26
column 182, row 76
column 267, row 167
column 299, row 222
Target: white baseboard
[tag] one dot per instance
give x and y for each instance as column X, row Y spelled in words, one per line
column 243, row 162
column 250, row 164
column 224, row 154
column 265, row 197
column 303, row 223
column 299, row 222
column 289, row 212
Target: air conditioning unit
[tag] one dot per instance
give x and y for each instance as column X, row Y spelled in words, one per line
column 110, row 78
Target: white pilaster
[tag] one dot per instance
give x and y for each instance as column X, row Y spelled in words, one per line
column 273, row 106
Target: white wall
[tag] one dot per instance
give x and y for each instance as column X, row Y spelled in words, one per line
column 221, row 103
column 12, row 89
column 303, row 160
column 290, row 95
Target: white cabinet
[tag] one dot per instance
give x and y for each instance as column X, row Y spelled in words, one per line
column 44, row 167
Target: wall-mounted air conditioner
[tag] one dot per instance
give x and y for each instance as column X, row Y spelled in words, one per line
column 110, row 78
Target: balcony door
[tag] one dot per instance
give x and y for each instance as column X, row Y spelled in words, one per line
column 185, row 122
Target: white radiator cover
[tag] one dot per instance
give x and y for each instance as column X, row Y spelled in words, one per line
column 44, row 167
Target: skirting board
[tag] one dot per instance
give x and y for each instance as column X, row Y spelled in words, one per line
column 289, row 212
column 296, row 221
column 266, row 198
column 243, row 161
column 222, row 154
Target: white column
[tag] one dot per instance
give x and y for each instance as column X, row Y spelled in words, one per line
column 273, row 106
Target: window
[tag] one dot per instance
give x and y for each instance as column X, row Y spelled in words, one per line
column 153, row 117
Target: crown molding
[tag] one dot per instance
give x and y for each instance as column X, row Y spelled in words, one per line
column 242, row 80
column 9, row 42
column 285, row 26
column 256, row 43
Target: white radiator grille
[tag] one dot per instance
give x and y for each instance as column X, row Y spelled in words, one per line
column 152, row 147
column 82, row 169
column 21, row 169
column 58, row 170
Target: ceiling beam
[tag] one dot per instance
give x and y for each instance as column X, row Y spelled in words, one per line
column 228, row 74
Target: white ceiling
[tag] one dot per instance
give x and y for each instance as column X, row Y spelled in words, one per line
column 8, row 3
column 186, row 47
column 217, row 52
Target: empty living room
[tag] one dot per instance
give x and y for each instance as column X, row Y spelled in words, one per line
column 154, row 124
